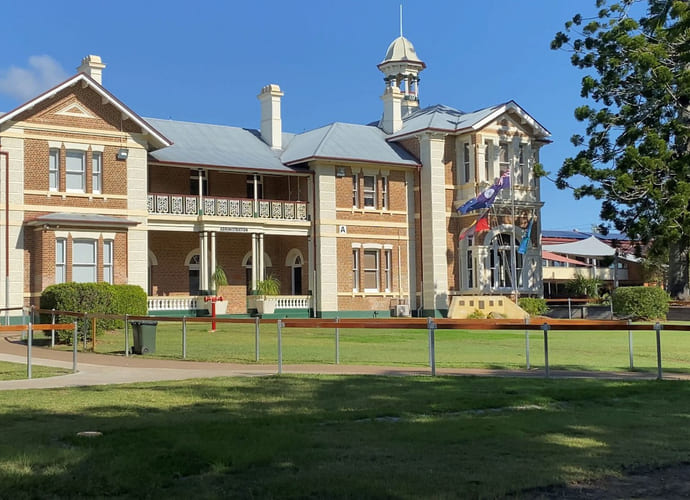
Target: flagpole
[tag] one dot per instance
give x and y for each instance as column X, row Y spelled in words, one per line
column 512, row 240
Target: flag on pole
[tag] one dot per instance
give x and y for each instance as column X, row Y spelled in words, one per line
column 487, row 197
column 479, row 225
column 524, row 243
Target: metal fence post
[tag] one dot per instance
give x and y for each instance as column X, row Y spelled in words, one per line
column 546, row 327
column 184, row 337
column 630, row 346
column 527, row 366
column 75, row 339
column 658, row 327
column 28, row 349
column 257, row 327
column 126, row 335
column 85, row 322
column 570, row 313
column 432, row 345
column 52, row 331
column 280, row 347
column 337, row 342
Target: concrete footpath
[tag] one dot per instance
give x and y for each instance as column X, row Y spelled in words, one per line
column 103, row 369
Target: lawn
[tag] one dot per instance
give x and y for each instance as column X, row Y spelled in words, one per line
column 14, row 371
column 592, row 350
column 336, row 437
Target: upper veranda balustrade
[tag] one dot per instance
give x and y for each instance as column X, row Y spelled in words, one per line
column 179, row 204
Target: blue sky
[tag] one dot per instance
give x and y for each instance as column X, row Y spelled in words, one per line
column 206, row 61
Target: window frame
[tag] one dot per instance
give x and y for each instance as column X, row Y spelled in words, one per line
column 71, row 174
column 369, row 193
column 355, row 190
column 108, row 261
column 385, row 195
column 96, row 172
column 54, row 169
column 77, row 266
column 355, row 269
column 466, row 163
column 376, row 271
column 60, row 260
column 388, row 269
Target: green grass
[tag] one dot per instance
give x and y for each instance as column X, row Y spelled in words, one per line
column 335, row 437
column 454, row 348
column 14, row 371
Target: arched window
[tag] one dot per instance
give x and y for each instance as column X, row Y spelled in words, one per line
column 192, row 262
column 294, row 261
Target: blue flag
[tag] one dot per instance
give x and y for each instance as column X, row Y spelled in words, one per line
column 487, row 197
column 525, row 239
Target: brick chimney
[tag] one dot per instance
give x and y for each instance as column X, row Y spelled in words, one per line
column 271, row 123
column 392, row 110
column 92, row 66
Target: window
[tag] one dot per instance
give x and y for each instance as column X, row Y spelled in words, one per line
column 532, row 177
column 96, row 172
column 84, row 261
column 503, row 272
column 470, row 269
column 54, row 170
column 388, row 269
column 355, row 191
column 108, row 261
column 503, row 157
column 369, row 191
column 194, row 177
column 487, row 161
column 355, row 270
column 522, row 168
column 259, row 187
column 371, row 270
column 75, row 171
column 466, row 162
column 60, row 260
column 384, row 193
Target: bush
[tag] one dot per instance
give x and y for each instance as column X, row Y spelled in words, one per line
column 477, row 314
column 533, row 306
column 581, row 286
column 640, row 302
column 100, row 298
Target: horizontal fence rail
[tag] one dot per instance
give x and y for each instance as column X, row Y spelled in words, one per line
column 543, row 325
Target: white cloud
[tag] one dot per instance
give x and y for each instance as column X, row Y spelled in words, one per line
column 42, row 73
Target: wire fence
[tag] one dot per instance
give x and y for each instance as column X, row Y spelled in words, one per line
column 426, row 341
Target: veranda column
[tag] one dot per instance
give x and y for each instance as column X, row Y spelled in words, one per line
column 254, row 261
column 203, row 264
column 262, row 264
column 212, row 270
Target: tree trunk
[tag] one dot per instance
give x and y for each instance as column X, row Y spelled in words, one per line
column 678, row 271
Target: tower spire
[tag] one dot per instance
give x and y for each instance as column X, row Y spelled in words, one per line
column 401, row 30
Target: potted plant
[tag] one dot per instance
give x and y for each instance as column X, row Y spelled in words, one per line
column 220, row 279
column 264, row 288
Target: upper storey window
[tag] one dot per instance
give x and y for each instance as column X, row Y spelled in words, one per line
column 75, row 171
column 369, row 191
column 503, row 157
column 96, row 172
column 54, row 170
column 466, row 162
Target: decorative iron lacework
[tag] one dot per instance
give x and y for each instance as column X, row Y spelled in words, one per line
column 289, row 210
column 177, row 205
column 162, row 204
column 234, row 208
column 302, row 211
column 190, row 206
column 150, row 204
column 276, row 210
column 222, row 207
column 264, row 209
column 209, row 206
column 247, row 208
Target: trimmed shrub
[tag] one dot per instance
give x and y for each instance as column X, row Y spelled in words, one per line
column 640, row 302
column 102, row 298
column 476, row 314
column 533, row 306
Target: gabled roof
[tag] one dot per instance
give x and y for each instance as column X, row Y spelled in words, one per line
column 560, row 258
column 204, row 144
column 590, row 247
column 446, row 119
column 346, row 142
column 158, row 140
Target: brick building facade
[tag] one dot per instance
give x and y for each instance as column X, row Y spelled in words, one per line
column 351, row 219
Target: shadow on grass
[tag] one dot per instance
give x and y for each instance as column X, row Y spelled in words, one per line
column 336, row 437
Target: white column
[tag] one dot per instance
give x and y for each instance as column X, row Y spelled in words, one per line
column 255, row 260
column 262, row 264
column 213, row 261
column 201, row 260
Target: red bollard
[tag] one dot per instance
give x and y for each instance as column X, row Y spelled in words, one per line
column 213, row 310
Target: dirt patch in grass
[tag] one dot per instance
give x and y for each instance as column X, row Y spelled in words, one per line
column 644, row 482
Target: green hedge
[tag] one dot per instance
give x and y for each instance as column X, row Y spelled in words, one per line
column 102, row 298
column 640, row 302
column 533, row 306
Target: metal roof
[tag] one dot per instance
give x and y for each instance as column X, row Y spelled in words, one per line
column 74, row 219
column 218, row 145
column 346, row 142
column 447, row 119
column 590, row 247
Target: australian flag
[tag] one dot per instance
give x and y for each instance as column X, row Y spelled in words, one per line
column 487, row 197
